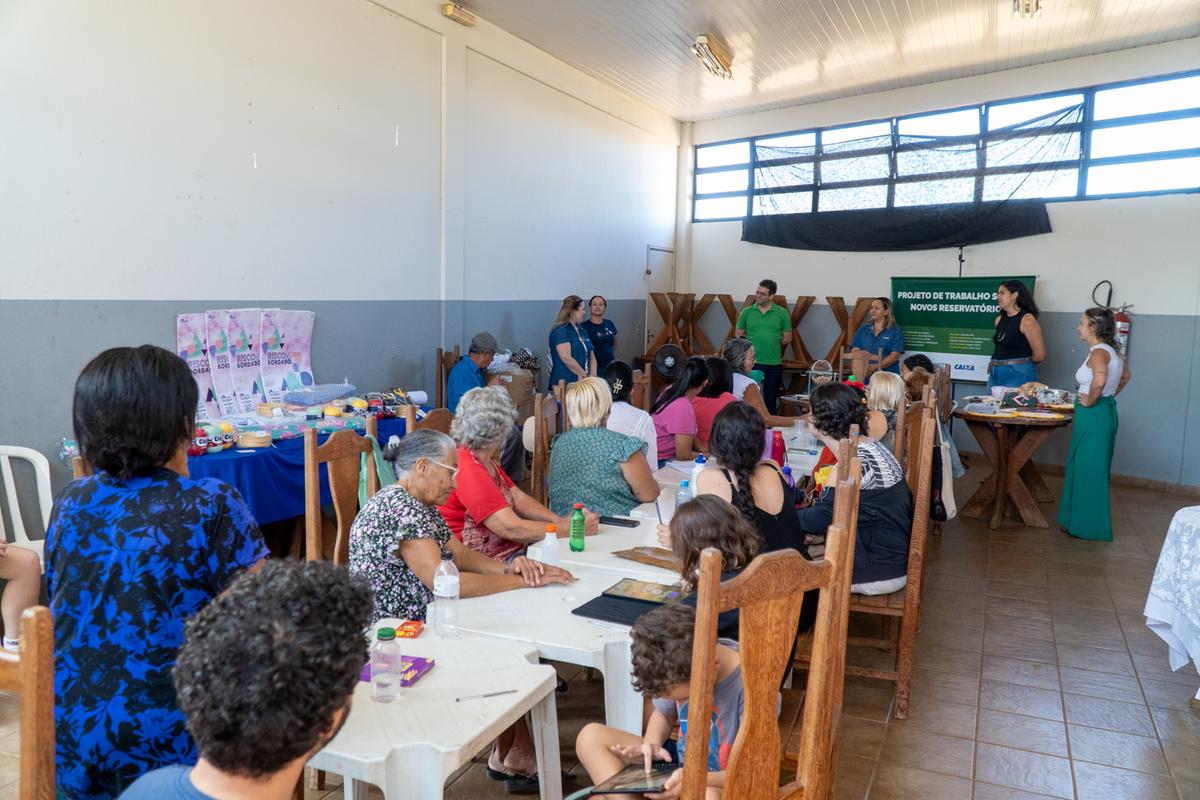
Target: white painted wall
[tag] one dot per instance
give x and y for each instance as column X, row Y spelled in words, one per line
column 1145, row 246
column 299, row 149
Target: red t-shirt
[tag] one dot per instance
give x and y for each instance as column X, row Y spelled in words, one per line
column 477, row 495
column 706, row 409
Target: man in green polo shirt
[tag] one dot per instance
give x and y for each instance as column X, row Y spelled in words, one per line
column 769, row 329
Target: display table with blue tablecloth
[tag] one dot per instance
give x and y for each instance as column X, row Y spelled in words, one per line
column 271, row 479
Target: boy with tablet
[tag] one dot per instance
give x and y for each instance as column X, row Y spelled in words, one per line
column 662, row 670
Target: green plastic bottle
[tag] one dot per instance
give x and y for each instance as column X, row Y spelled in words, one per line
column 577, row 526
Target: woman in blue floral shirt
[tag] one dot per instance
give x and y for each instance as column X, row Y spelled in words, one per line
column 131, row 553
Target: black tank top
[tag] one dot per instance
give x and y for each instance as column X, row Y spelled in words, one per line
column 1009, row 341
column 779, row 531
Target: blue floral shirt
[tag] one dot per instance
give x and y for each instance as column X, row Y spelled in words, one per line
column 127, row 563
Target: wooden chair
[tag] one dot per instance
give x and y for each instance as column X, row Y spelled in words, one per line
column 857, row 365
column 899, row 443
column 769, row 594
column 904, row 604
column 438, row 419
column 942, row 387
column 545, row 423
column 341, row 453
column 560, row 396
column 443, row 363
column 643, row 389
column 31, row 674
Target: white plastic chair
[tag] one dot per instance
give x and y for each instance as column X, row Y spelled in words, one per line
column 41, row 468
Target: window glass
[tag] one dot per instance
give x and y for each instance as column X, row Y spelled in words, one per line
column 1033, row 149
column 927, row 193
column 857, row 137
column 723, row 155
column 808, row 139
column 1144, row 176
column 1045, row 184
column 788, row 175
column 720, row 207
column 1147, row 98
column 1149, row 137
column 953, row 123
column 861, row 168
column 784, row 203
column 846, row 199
column 735, row 180
column 1027, row 111
column 936, row 159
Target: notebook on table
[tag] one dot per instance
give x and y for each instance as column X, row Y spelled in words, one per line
column 628, row 599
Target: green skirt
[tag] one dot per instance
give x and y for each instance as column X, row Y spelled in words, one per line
column 1084, row 508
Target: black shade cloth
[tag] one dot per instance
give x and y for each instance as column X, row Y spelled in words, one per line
column 919, row 228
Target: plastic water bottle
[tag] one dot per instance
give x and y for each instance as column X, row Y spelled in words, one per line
column 550, row 553
column 697, row 466
column 445, row 597
column 778, row 448
column 578, row 523
column 787, row 476
column 385, row 666
column 683, row 495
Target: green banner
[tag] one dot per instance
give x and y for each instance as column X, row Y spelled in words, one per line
column 951, row 320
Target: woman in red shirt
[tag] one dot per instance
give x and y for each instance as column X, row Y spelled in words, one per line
column 487, row 511
column 715, row 395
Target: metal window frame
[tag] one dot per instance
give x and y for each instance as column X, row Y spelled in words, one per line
column 1085, row 128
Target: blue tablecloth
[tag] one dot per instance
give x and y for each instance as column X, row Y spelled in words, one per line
column 272, row 479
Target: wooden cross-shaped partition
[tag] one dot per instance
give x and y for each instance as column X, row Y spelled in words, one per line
column 675, row 309
column 847, row 321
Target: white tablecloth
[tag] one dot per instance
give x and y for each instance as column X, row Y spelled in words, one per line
column 1173, row 606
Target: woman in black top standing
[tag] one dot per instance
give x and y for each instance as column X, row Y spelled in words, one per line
column 1019, row 346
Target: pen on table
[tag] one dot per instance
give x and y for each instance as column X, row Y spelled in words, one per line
column 481, row 696
column 658, row 511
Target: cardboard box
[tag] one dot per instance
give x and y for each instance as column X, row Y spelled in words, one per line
column 519, row 385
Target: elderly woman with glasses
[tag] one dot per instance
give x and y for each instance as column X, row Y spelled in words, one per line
column 397, row 539
column 487, row 511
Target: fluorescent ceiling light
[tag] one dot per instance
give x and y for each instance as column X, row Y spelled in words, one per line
column 1027, row 8
column 713, row 55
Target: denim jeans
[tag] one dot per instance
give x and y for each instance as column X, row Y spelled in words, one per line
column 1011, row 374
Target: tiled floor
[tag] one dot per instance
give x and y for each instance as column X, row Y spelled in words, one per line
column 1035, row 677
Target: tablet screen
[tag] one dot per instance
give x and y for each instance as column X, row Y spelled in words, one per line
column 635, row 780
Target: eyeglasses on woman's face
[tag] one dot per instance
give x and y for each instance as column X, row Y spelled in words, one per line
column 452, row 470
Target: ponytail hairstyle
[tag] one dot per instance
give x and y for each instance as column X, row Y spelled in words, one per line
column 720, row 380
column 693, row 375
column 736, row 441
column 1024, row 296
column 619, row 376
column 1104, row 324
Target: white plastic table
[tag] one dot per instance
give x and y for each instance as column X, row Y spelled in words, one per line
column 542, row 617
column 598, row 553
column 409, row 747
column 1173, row 605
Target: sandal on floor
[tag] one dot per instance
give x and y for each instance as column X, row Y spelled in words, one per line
column 526, row 784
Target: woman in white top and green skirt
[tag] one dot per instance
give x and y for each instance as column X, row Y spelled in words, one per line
column 1084, row 509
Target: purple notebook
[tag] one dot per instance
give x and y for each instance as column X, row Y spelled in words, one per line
column 414, row 668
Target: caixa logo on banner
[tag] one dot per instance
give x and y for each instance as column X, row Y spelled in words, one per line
column 964, row 367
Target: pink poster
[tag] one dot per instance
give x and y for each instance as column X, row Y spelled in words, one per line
column 220, row 365
column 242, row 329
column 286, row 342
column 191, row 344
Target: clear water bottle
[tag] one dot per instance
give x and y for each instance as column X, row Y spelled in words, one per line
column 697, row 466
column 578, row 529
column 550, row 552
column 683, row 495
column 445, row 597
column 385, row 666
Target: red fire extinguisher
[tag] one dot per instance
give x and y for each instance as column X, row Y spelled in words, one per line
column 1121, row 316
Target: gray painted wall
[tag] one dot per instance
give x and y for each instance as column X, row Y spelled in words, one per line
column 44, row 344
column 1159, row 434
